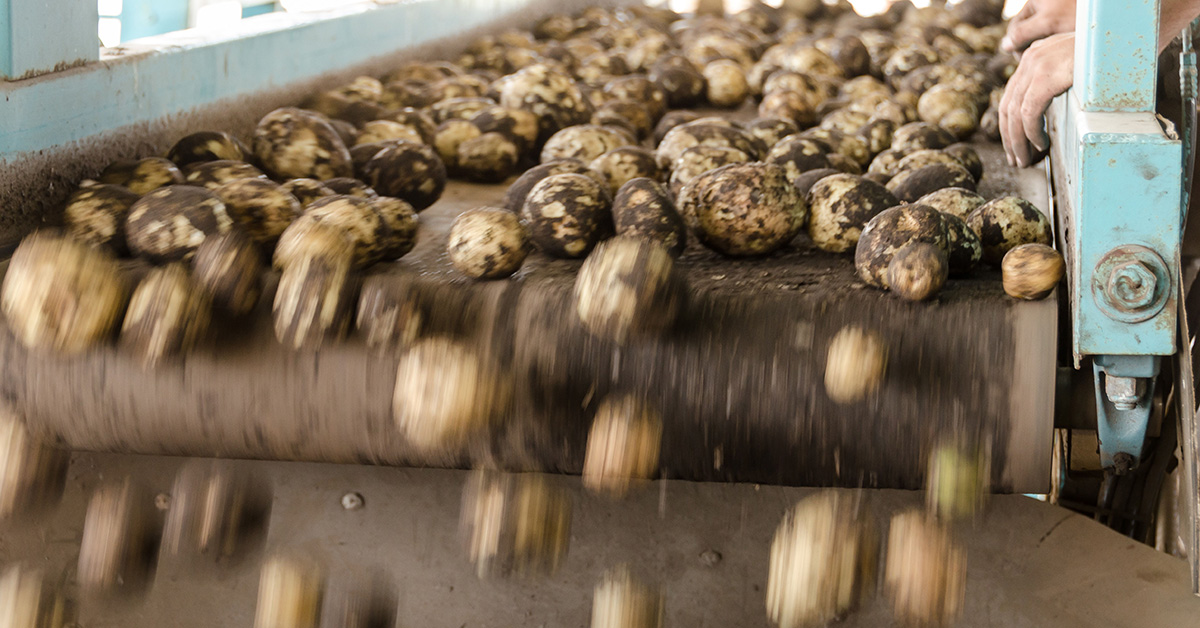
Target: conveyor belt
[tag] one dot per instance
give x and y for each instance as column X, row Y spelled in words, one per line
column 740, row 383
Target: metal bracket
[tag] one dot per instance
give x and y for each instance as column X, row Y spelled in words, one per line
column 1124, row 390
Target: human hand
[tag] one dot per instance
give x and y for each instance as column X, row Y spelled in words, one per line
column 1036, row 20
column 1046, row 70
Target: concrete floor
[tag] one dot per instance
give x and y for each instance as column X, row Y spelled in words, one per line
column 1030, row 564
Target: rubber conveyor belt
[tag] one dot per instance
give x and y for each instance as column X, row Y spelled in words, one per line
column 739, row 383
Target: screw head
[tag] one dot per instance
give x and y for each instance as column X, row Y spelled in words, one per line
column 1132, row 285
column 352, row 501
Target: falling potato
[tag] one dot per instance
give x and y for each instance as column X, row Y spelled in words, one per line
column 515, row 523
column 445, row 392
column 290, row 593
column 32, row 473
column 854, row 365
column 1031, row 271
column 623, row 445
column 29, row 600
column 958, row 480
column 823, row 561
column 622, row 600
column 925, row 571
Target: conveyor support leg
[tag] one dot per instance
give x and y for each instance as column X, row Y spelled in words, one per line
column 1124, row 389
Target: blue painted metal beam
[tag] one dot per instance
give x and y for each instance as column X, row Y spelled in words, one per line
column 1116, row 54
column 1119, row 184
column 175, row 73
column 39, row 36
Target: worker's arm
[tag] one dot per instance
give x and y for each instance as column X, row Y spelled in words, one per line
column 1047, row 70
column 1036, row 20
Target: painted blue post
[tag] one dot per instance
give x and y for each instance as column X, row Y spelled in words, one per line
column 1116, row 54
column 40, row 36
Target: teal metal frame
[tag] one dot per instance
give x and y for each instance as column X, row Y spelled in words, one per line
column 155, row 78
column 1120, row 182
column 41, row 37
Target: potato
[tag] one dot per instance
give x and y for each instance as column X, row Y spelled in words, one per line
column 840, row 206
column 788, row 105
column 95, row 215
column 628, row 288
column 487, row 243
column 1005, row 223
column 700, row 133
column 958, row 479
column 888, row 232
column 643, row 209
column 671, row 120
column 567, row 214
column 398, row 226
column 169, row 223
column 213, row 504
column 353, row 216
column 877, row 134
column 515, row 197
column 207, row 146
column 290, row 593
column 797, row 155
column 925, row 571
column 316, row 291
column 640, row 89
column 806, row 181
column 349, row 186
column 61, row 295
column 743, row 209
column 292, row 143
column 408, row 171
column 697, row 160
column 957, row 202
column 823, row 561
column 1031, row 271
column 918, row 135
column 32, row 471
column 515, row 523
column 32, row 600
column 548, row 93
column 925, row 157
column 854, row 365
column 115, row 550
column 951, row 109
column 626, row 112
column 489, row 158
column 584, row 142
column 623, row 446
column 447, row 392
column 619, row 165
column 963, row 248
column 518, row 125
column 727, row 86
column 968, row 157
column 142, row 176
column 683, row 85
column 911, row 185
column 306, row 191
column 770, row 131
column 213, row 174
column 259, row 207
column 918, row 271
column 168, row 314
column 450, row 134
column 228, row 268
column 623, row 601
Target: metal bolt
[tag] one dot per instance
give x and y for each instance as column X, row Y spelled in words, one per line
column 352, row 501
column 1132, row 285
column 1122, row 391
column 1122, row 463
column 710, row 558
